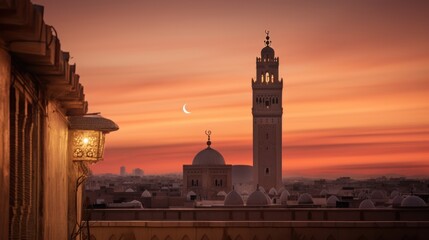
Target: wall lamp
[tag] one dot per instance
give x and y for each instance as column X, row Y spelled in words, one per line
column 87, row 136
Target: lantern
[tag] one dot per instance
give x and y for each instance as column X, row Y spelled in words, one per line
column 87, row 136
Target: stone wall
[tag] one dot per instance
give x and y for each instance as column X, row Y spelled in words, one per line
column 55, row 185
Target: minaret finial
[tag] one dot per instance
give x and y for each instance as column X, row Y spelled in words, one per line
column 267, row 41
column 208, row 133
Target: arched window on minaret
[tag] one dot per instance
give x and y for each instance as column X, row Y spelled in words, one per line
column 267, row 77
column 272, row 78
column 262, row 78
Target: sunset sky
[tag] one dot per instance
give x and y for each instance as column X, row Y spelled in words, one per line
column 356, row 80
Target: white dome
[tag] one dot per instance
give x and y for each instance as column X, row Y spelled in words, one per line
column 281, row 190
column 305, row 198
column 257, row 198
column 208, row 156
column 262, row 189
column 323, row 192
column 272, row 191
column 366, row 204
column 284, row 197
column 268, row 198
column 362, row 195
column 190, row 194
column 377, row 194
column 413, row 201
column 393, row 194
column 332, row 201
column 233, row 199
column 129, row 190
column 244, row 192
column 397, row 201
column 221, row 194
column 146, row 194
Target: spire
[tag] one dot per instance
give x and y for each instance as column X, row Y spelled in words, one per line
column 208, row 133
column 267, row 41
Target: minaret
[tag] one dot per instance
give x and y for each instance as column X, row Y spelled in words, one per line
column 267, row 114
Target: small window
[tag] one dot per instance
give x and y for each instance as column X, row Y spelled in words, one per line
column 267, row 171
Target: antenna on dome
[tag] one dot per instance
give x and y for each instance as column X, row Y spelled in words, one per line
column 208, row 133
column 267, row 41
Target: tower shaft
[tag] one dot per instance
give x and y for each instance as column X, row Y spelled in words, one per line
column 267, row 114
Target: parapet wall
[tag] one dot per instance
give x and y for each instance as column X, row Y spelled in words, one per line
column 260, row 230
column 260, row 214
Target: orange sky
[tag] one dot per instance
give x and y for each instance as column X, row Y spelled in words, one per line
column 356, row 80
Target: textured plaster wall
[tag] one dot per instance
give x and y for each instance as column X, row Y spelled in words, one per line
column 55, row 177
column 4, row 142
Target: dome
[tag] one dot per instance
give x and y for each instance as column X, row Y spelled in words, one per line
column 208, row 156
column 397, row 201
column 378, row 196
column 262, row 189
column 305, row 198
column 267, row 53
column 393, row 194
column 257, row 198
column 284, row 197
column 221, row 194
column 362, row 195
column 233, row 199
column 281, row 190
column 190, row 195
column 323, row 192
column 272, row 192
column 268, row 198
column 146, row 194
column 129, row 190
column 366, row 204
column 413, row 201
column 332, row 201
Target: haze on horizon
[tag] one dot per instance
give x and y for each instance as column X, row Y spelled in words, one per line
column 356, row 80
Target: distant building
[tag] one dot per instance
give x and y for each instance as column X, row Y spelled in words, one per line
column 242, row 179
column 122, row 171
column 267, row 114
column 138, row 172
column 208, row 175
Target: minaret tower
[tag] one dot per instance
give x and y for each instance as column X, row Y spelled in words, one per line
column 267, row 114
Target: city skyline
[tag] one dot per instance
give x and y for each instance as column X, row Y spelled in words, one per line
column 355, row 81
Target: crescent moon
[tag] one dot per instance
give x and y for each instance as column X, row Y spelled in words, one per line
column 184, row 109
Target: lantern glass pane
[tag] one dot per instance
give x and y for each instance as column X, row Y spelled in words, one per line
column 87, row 145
